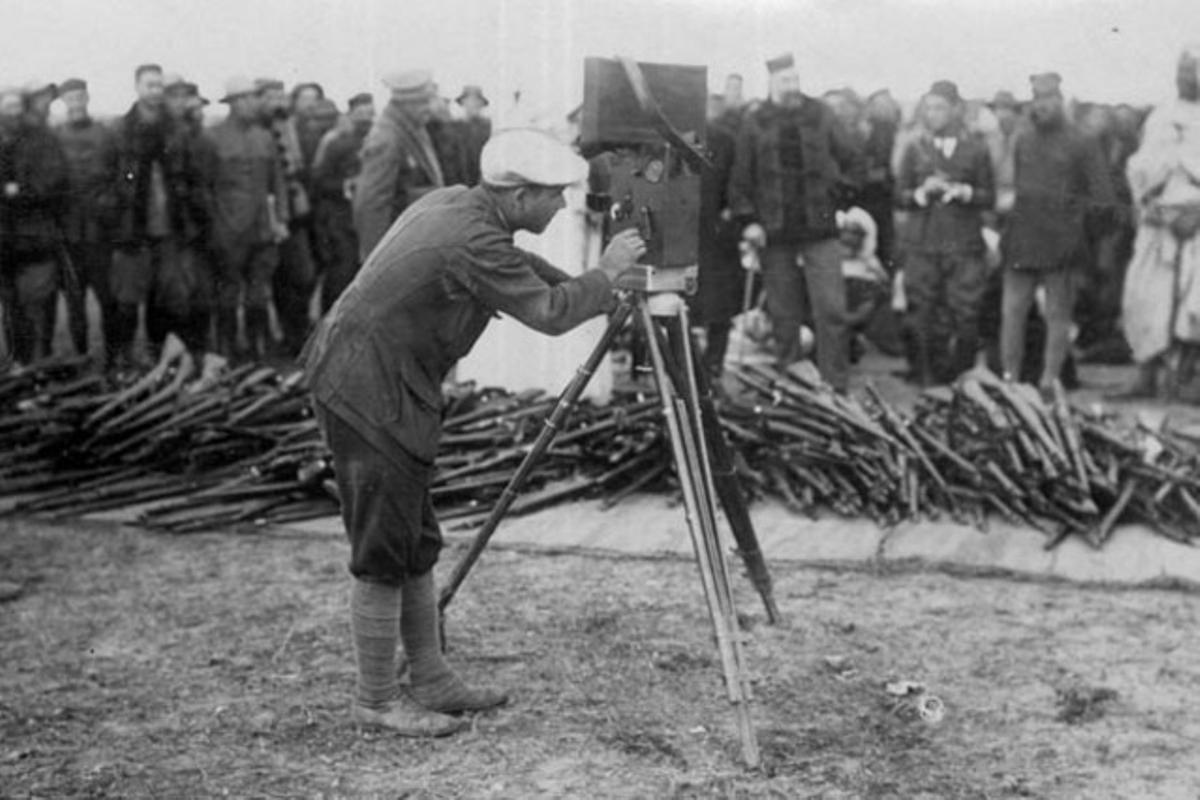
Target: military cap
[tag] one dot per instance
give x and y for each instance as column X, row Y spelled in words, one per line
column 72, row 85
column 267, row 84
column 192, row 90
column 1045, row 83
column 948, row 90
column 780, row 63
column 471, row 90
column 324, row 109
column 1004, row 99
column 529, row 157
column 360, row 99
column 173, row 83
column 238, row 86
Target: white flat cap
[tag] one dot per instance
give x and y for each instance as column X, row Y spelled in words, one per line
column 526, row 156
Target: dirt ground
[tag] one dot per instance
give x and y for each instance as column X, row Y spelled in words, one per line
column 138, row 665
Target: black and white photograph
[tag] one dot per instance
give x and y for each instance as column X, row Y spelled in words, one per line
column 600, row 399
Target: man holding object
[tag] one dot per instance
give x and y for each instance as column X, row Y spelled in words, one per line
column 375, row 366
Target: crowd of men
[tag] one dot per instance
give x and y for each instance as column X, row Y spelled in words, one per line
column 993, row 232
column 220, row 234
column 999, row 232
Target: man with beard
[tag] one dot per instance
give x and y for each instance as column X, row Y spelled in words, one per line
column 1161, row 302
column 91, row 153
column 475, row 128
column 1059, row 176
column 248, row 201
column 945, row 184
column 142, row 212
column 334, row 174
column 33, row 192
column 375, row 366
column 794, row 168
column 399, row 162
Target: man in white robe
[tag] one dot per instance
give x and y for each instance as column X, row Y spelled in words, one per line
column 1161, row 303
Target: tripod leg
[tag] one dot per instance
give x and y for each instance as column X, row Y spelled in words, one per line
column 687, row 447
column 550, row 428
column 723, row 477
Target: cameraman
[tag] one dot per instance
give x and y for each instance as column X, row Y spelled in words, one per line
column 376, row 364
column 945, row 183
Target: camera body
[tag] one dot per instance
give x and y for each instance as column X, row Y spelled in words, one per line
column 640, row 179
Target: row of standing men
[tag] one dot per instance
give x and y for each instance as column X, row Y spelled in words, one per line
column 219, row 234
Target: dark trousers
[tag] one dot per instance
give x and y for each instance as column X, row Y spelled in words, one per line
column 131, row 277
column 338, row 245
column 28, row 291
column 820, row 283
column 181, row 299
column 716, row 346
column 294, row 282
column 386, row 505
column 945, row 292
column 91, row 263
column 243, row 272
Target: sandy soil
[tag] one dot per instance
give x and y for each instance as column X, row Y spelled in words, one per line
column 217, row 665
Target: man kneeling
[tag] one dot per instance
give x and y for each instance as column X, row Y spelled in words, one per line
column 376, row 364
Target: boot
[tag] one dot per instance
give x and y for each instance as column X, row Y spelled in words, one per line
column 404, row 717
column 258, row 331
column 1145, row 385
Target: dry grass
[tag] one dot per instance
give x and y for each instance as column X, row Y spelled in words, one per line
column 218, row 665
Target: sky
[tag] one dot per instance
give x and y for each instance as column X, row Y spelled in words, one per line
column 1106, row 50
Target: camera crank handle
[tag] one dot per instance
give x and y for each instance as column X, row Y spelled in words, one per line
column 646, row 224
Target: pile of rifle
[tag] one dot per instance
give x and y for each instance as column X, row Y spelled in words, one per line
column 241, row 447
column 981, row 446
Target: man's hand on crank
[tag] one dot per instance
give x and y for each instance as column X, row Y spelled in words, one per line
column 622, row 253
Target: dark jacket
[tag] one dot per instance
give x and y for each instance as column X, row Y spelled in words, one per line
column 719, row 293
column 1060, row 177
column 955, row 227
column 399, row 165
column 378, row 358
column 91, row 152
column 475, row 134
column 450, row 144
column 140, row 143
column 188, row 160
column 793, row 170
column 339, row 163
column 31, row 220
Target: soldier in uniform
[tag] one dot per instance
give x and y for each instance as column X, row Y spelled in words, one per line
column 33, row 191
column 248, row 200
column 91, row 154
